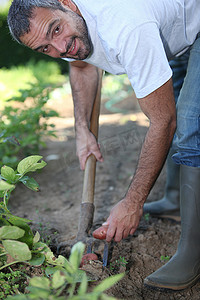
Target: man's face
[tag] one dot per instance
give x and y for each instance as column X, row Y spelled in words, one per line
column 58, row 34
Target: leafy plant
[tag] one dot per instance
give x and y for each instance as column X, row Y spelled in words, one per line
column 23, row 127
column 16, row 237
column 65, row 278
column 118, row 263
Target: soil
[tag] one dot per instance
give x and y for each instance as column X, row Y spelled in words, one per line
column 54, row 210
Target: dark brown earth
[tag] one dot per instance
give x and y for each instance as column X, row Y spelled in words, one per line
column 55, row 209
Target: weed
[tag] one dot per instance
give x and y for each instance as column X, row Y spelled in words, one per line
column 165, row 258
column 146, row 217
column 11, row 283
column 121, row 262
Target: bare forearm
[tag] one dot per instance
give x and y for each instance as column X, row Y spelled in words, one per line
column 152, row 158
column 160, row 108
column 84, row 87
column 84, row 80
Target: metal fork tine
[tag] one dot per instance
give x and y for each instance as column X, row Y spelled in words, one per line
column 105, row 254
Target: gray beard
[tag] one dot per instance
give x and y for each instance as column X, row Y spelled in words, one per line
column 81, row 26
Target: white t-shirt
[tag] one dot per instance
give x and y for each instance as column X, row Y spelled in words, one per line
column 138, row 37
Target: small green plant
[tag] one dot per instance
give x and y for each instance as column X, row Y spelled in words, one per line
column 121, row 262
column 164, row 258
column 146, row 217
column 11, row 283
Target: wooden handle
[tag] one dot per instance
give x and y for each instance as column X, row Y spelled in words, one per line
column 90, row 167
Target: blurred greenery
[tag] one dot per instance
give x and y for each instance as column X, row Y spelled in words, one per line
column 23, row 77
column 14, row 54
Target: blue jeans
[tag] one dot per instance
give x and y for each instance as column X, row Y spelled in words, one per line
column 187, row 137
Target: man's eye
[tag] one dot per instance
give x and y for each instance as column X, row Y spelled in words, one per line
column 45, row 49
column 57, row 29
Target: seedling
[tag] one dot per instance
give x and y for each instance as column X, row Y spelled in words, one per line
column 164, row 258
column 146, row 217
column 121, row 262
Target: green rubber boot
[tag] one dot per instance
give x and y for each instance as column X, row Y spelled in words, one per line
column 169, row 205
column 183, row 269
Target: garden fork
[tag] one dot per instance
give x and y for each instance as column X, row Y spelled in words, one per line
column 87, row 203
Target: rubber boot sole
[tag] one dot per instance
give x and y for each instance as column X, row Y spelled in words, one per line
column 158, row 286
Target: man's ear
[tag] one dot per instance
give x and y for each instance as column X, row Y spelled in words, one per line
column 70, row 4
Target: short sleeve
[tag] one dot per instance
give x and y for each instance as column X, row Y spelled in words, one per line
column 143, row 57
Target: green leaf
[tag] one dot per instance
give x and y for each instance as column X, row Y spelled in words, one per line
column 18, row 220
column 50, row 257
column 4, row 186
column 18, row 250
column 40, row 282
column 83, row 286
column 8, row 173
column 78, row 276
column 39, row 293
column 42, row 247
column 68, row 267
column 30, row 183
column 37, row 259
column 50, row 270
column 11, row 233
column 76, row 254
column 58, row 280
column 36, row 238
column 3, row 222
column 108, row 282
column 28, row 236
column 30, row 164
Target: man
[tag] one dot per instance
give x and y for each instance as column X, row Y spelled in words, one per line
column 137, row 38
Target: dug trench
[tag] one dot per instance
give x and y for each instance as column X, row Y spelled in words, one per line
column 54, row 210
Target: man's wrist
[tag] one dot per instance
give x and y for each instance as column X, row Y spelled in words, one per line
column 80, row 127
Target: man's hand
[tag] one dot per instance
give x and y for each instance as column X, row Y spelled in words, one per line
column 123, row 220
column 86, row 144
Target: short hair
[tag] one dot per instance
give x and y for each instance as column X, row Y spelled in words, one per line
column 21, row 11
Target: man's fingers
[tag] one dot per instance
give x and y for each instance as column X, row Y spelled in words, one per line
column 110, row 233
column 126, row 233
column 98, row 155
column 118, row 235
column 133, row 230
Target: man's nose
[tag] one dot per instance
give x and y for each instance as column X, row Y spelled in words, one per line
column 59, row 45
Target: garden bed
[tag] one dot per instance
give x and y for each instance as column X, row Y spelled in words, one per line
column 54, row 210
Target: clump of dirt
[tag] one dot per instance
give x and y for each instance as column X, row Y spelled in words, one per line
column 54, row 211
